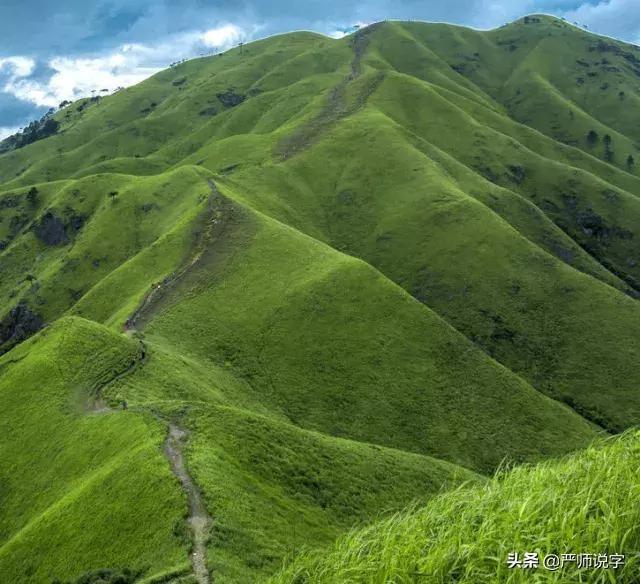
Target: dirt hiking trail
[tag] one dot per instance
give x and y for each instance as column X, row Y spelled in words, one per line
column 199, row 519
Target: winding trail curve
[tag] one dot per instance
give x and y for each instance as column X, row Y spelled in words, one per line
column 199, row 519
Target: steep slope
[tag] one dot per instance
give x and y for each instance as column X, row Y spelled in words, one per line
column 582, row 503
column 346, row 273
column 74, row 480
column 91, row 478
column 370, row 362
column 454, row 247
column 224, row 339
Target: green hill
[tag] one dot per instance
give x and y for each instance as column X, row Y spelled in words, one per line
column 266, row 296
column 581, row 503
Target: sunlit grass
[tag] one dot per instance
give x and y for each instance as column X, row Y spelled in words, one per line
column 586, row 503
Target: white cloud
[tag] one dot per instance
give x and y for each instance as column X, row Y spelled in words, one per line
column 223, row 36
column 618, row 18
column 5, row 132
column 75, row 77
column 17, row 66
column 345, row 30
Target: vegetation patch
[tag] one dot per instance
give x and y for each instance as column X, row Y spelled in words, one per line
column 54, row 230
column 583, row 503
column 17, row 325
column 230, row 98
column 104, row 576
column 36, row 130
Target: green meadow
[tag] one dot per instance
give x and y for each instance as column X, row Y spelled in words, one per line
column 328, row 311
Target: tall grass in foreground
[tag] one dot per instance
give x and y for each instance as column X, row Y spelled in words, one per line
column 586, row 503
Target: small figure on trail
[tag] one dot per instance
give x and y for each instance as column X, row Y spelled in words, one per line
column 124, row 404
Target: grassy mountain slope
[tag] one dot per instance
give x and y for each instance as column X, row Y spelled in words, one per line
column 348, row 371
column 456, row 251
column 92, row 480
column 73, row 481
column 233, row 326
column 271, row 486
column 354, row 272
column 581, row 503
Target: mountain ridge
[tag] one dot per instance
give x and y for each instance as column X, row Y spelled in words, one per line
column 362, row 272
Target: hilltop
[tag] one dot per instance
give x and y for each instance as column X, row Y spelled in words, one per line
column 309, row 282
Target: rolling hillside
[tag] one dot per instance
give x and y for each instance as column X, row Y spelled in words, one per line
column 266, row 296
column 584, row 502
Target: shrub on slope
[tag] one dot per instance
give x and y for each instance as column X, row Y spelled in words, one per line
column 582, row 504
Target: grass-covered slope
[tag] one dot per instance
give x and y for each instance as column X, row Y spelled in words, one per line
column 353, row 272
column 74, row 481
column 332, row 345
column 93, row 482
column 225, row 338
column 583, row 504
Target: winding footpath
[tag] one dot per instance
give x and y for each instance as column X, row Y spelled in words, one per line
column 199, row 519
column 336, row 104
column 159, row 288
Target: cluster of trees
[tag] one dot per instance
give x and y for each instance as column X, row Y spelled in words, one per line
column 44, row 127
column 36, row 130
column 592, row 140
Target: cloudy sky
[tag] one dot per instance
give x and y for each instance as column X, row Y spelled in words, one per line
column 53, row 51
